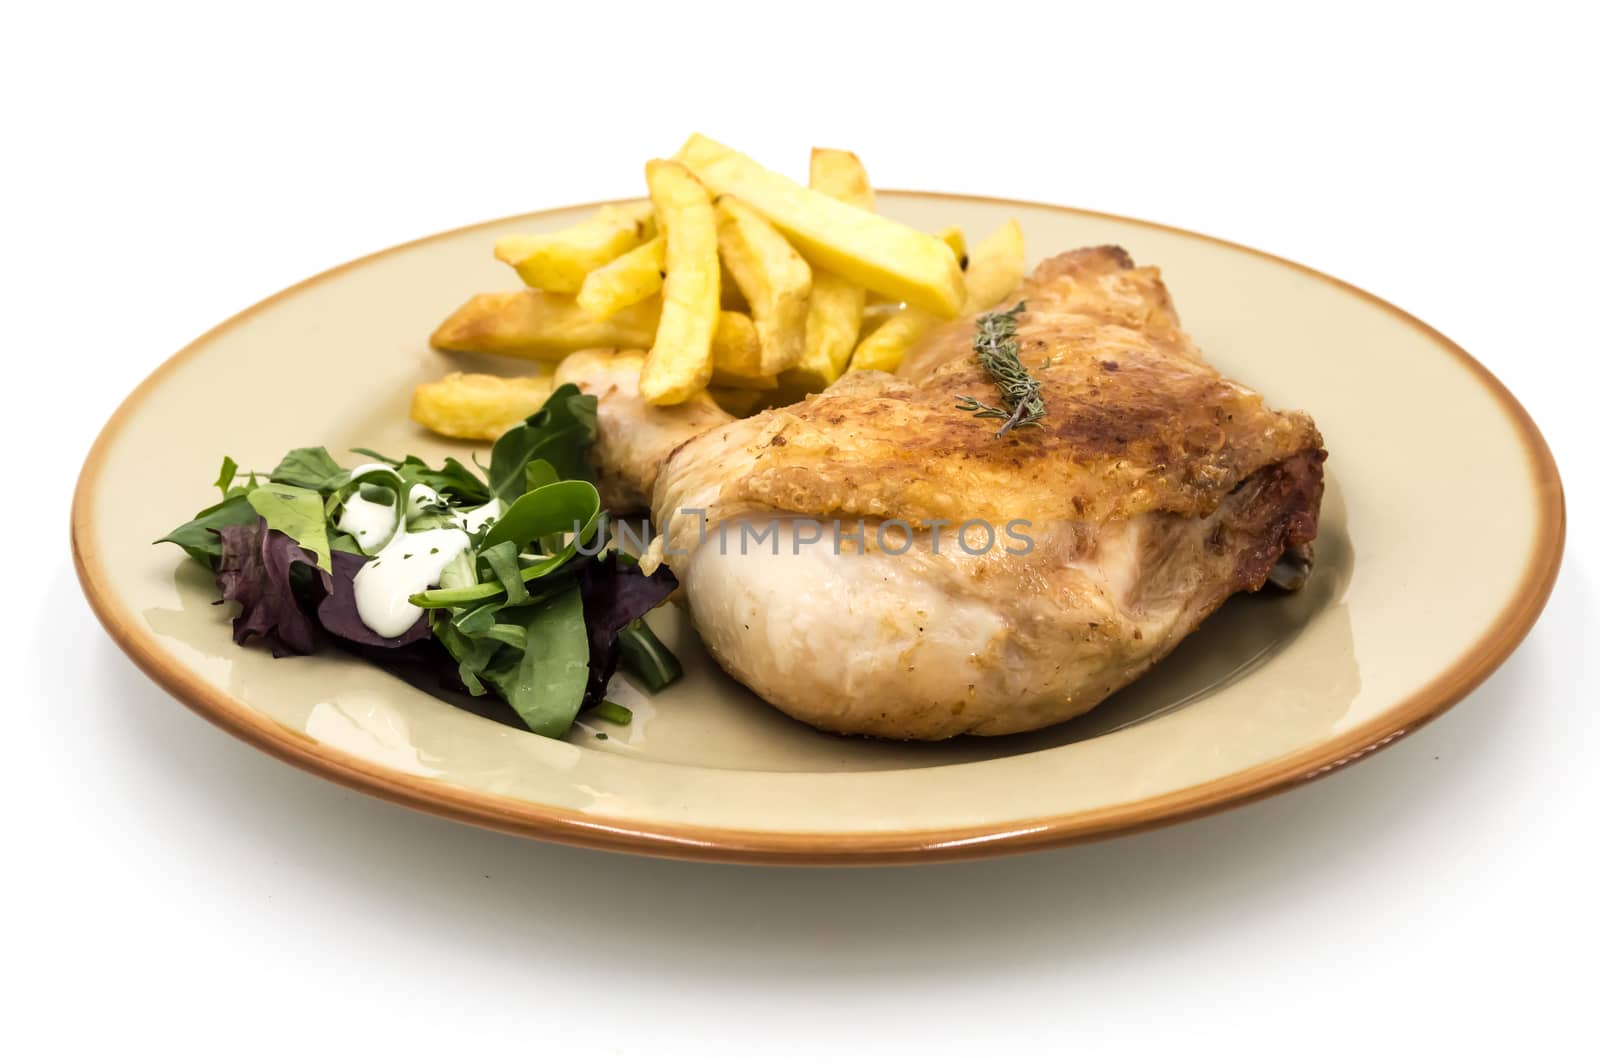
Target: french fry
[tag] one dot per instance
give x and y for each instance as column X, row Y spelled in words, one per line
column 477, row 406
column 625, row 280
column 839, row 174
column 558, row 262
column 541, row 325
column 833, row 319
column 679, row 363
column 887, row 345
column 873, row 251
column 994, row 269
column 772, row 276
column 956, row 241
column 875, row 314
column 740, row 402
column 736, row 346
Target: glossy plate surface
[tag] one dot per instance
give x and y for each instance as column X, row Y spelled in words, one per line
column 1408, row 609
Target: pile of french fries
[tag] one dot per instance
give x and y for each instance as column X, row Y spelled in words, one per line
column 733, row 279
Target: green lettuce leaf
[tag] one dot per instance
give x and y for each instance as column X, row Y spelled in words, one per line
column 312, row 468
column 296, row 512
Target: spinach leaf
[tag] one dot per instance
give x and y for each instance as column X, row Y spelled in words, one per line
column 472, row 654
column 539, row 473
column 502, row 561
column 297, row 513
column 545, row 682
column 565, row 506
column 560, row 433
column 646, row 657
column 199, row 537
column 312, row 468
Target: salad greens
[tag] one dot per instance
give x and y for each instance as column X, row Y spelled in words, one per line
column 518, row 609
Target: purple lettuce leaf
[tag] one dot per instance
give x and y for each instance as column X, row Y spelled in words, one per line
column 614, row 596
column 256, row 570
column 339, row 616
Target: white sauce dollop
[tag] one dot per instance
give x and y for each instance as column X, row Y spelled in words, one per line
column 369, row 522
column 409, row 562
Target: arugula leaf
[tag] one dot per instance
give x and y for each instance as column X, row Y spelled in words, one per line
column 545, row 683
column 224, row 479
column 312, row 468
column 199, row 537
column 560, row 433
column 296, row 512
column 452, row 478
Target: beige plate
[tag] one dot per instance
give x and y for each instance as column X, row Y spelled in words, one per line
column 1407, row 612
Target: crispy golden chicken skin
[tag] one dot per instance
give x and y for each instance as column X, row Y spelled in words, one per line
column 1151, row 491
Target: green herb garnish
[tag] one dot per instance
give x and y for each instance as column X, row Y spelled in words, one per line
column 995, row 344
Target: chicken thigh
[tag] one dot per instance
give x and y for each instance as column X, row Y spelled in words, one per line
column 874, row 560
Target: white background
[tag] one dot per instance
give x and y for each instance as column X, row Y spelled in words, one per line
column 167, row 887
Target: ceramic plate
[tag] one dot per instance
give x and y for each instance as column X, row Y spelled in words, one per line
column 1407, row 611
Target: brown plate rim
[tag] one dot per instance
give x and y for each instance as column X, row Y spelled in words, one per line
column 556, row 824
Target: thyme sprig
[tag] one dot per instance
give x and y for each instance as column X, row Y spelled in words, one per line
column 995, row 344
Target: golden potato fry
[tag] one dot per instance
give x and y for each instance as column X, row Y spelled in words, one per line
column 736, row 346
column 875, row 314
column 541, row 325
column 558, row 262
column 833, row 323
column 956, row 241
column 839, row 174
column 887, row 345
column 477, row 406
column 740, row 402
column 873, row 251
column 732, row 298
column 625, row 280
column 772, row 276
column 679, row 363
column 995, row 268
column 833, row 320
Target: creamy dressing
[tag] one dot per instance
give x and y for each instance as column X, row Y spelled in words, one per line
column 409, row 562
column 476, row 519
column 369, row 522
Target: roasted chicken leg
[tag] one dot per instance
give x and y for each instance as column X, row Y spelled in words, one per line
column 1151, row 491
